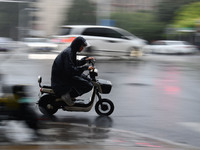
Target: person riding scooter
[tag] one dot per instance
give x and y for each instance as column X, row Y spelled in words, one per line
column 67, row 78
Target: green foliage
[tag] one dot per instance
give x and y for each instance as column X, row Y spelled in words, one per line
column 166, row 9
column 187, row 16
column 142, row 24
column 81, row 12
column 148, row 25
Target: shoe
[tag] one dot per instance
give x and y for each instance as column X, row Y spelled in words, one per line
column 67, row 99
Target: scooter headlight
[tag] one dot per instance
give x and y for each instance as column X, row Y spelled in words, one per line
column 94, row 73
column 96, row 70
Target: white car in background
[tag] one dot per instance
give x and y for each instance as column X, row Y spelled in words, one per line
column 39, row 44
column 103, row 40
column 7, row 44
column 170, row 47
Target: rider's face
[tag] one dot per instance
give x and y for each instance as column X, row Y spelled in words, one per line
column 81, row 48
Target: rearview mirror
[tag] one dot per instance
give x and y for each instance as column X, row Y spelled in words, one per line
column 39, row 79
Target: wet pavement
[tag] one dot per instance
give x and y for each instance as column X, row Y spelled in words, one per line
column 59, row 135
column 167, row 109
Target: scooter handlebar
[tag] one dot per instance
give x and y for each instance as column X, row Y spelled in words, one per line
column 92, row 62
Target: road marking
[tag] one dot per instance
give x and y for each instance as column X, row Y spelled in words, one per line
column 46, row 56
column 42, row 56
column 117, row 137
column 129, row 133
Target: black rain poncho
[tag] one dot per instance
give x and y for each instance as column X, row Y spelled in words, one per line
column 66, row 66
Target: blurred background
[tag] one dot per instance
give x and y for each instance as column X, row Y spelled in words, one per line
column 147, row 19
column 153, row 94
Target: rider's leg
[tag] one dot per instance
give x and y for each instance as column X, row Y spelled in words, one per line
column 67, row 99
column 81, row 86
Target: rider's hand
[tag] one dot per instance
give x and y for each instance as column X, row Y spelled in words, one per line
column 90, row 68
column 89, row 58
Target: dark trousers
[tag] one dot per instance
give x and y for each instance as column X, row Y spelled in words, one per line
column 80, row 85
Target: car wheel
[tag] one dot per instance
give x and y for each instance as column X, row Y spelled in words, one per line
column 134, row 52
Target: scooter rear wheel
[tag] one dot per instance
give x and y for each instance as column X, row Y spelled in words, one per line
column 104, row 107
column 46, row 105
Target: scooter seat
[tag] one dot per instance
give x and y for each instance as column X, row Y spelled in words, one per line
column 47, row 87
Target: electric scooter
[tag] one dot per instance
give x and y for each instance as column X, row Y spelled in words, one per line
column 49, row 102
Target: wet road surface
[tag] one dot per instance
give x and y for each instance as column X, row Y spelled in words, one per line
column 155, row 98
column 59, row 135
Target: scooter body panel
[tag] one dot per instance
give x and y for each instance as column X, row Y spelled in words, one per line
column 49, row 103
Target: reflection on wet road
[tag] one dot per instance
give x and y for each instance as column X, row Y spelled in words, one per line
column 157, row 95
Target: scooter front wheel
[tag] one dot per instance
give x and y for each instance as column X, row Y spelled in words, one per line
column 104, row 107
